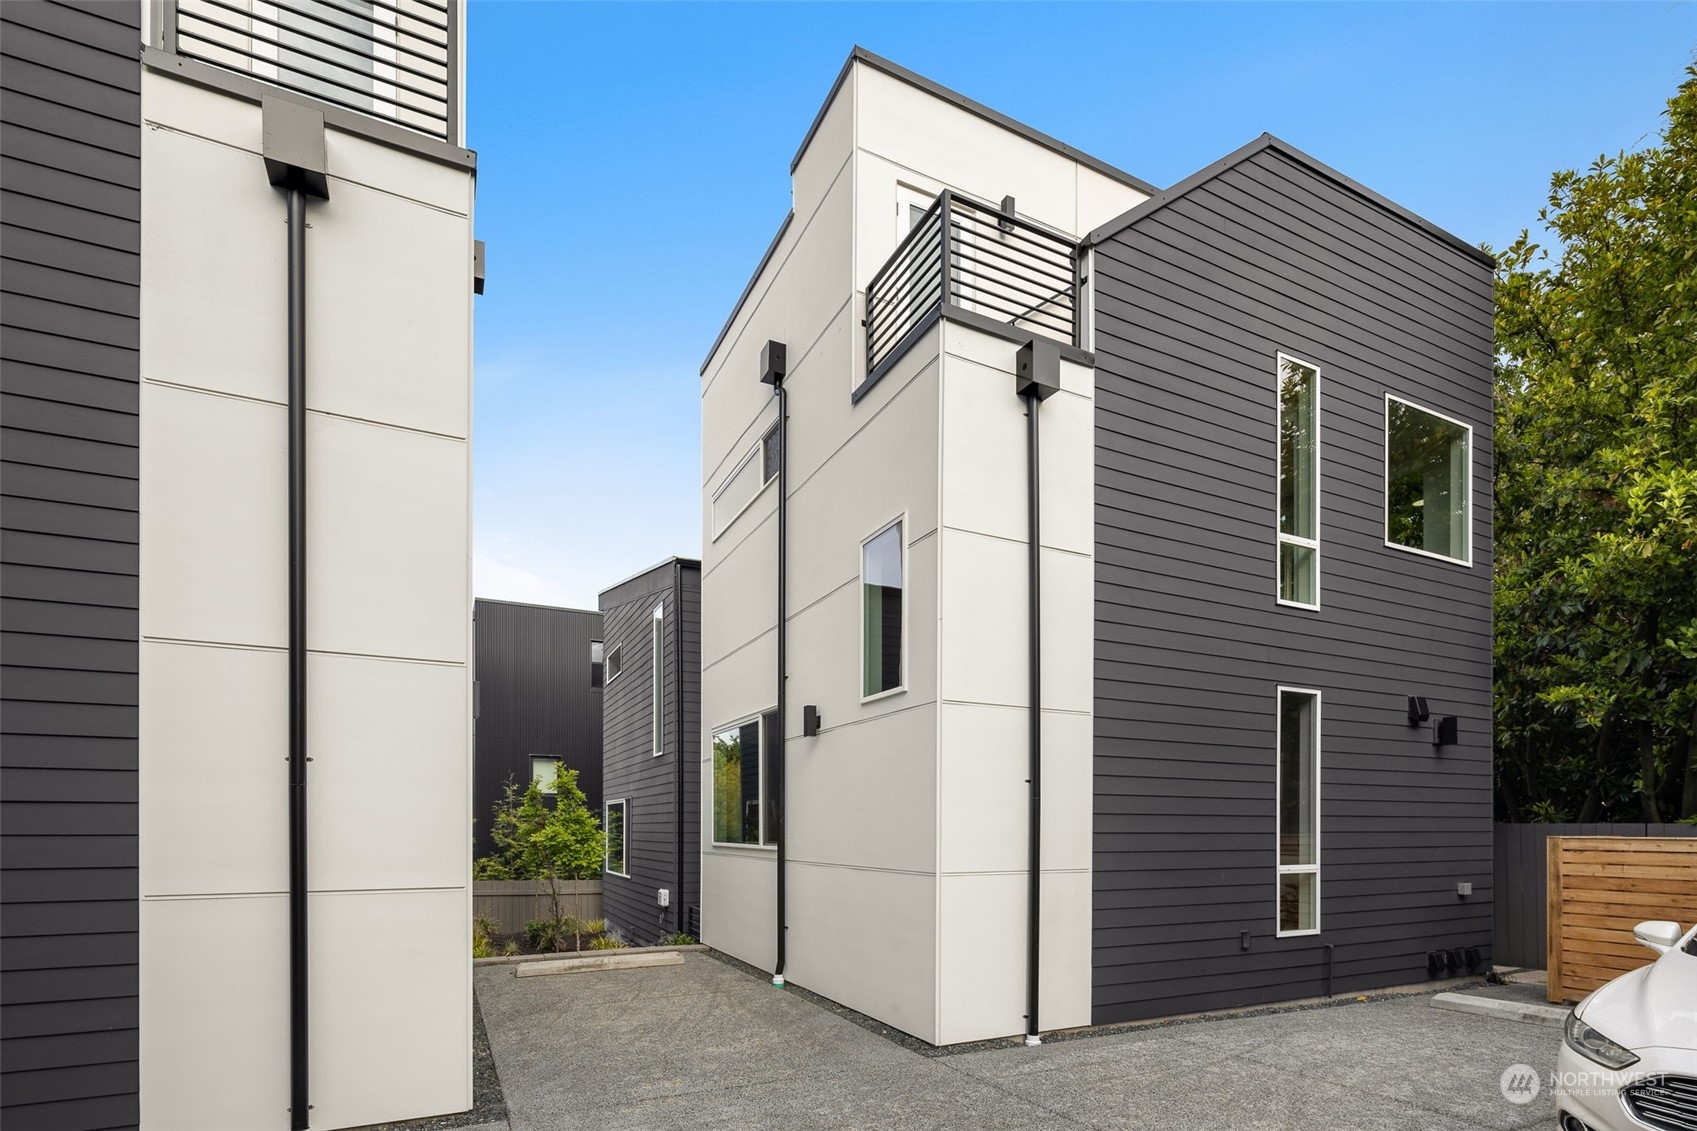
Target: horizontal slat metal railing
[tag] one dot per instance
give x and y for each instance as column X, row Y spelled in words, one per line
column 392, row 59
column 991, row 263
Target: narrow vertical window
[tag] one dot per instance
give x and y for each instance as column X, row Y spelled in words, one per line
column 615, row 664
column 1298, row 805
column 881, row 585
column 771, row 451
column 657, row 692
column 597, row 657
column 613, row 822
column 1428, row 461
column 736, row 784
column 1299, row 483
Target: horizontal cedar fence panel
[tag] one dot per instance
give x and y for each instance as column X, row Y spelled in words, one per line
column 1519, row 893
column 513, row 903
column 1600, row 888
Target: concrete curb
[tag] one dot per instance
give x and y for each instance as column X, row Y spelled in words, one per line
column 606, row 960
column 517, row 958
column 1553, row 1016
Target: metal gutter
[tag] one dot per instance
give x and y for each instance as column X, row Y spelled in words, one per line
column 1267, row 141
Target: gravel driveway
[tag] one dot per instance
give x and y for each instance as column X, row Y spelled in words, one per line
column 707, row 1045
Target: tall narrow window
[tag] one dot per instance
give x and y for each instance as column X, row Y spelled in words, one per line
column 597, row 657
column 771, row 451
column 615, row 664
column 1428, row 460
column 1299, row 483
column 1298, row 792
column 881, row 609
column 657, row 693
column 613, row 822
column 736, row 784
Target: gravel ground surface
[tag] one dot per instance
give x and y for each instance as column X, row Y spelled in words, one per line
column 711, row 1044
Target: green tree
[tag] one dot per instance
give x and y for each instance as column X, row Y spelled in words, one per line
column 536, row 841
column 1596, row 492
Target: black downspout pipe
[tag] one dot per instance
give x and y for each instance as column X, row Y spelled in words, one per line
column 680, row 911
column 299, row 1108
column 1034, row 863
column 774, row 367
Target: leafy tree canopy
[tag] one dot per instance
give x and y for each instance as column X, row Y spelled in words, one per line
column 1596, row 492
column 534, row 841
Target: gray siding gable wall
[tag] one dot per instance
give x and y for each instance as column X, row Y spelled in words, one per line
column 631, row 771
column 1195, row 295
column 534, row 698
column 70, row 206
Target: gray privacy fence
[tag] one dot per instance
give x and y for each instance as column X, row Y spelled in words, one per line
column 513, row 903
column 1522, row 883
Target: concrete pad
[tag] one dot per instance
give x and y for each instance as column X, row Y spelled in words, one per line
column 585, row 963
column 1553, row 1016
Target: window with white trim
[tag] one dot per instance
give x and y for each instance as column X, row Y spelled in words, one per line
column 1298, row 811
column 882, row 585
column 1428, row 464
column 615, row 823
column 1299, row 483
column 744, row 783
column 657, row 693
column 615, row 664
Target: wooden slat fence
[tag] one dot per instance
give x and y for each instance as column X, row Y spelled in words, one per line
column 513, row 903
column 1519, row 893
column 1600, row 888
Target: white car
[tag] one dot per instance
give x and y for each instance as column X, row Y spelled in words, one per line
column 1628, row 1057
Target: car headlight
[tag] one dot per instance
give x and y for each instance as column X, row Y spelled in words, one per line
column 1592, row 1045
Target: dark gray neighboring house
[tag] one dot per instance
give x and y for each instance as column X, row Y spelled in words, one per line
column 651, row 752
column 539, row 701
column 1199, row 292
column 71, row 204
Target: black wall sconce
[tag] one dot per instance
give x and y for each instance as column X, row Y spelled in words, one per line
column 809, row 720
column 1445, row 731
column 1417, row 712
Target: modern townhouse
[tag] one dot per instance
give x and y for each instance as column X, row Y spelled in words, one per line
column 1111, row 609
column 651, row 884
column 239, row 270
column 537, row 679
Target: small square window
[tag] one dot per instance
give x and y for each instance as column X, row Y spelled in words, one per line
column 543, row 771
column 1428, row 465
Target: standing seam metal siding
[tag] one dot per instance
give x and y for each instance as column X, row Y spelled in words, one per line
column 1193, row 302
column 534, row 698
column 632, row 772
column 70, row 199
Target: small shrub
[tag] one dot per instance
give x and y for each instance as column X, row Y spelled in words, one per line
column 543, row 934
column 512, row 948
column 680, row 939
column 606, row 942
column 483, row 931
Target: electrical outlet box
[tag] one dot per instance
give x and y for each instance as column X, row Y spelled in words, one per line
column 665, row 897
column 1464, row 888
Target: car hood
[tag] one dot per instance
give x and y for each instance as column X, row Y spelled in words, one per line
column 1654, row 1006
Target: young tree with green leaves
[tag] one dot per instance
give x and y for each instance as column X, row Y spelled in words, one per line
column 1596, row 492
column 535, row 841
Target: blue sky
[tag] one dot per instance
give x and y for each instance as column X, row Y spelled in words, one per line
column 633, row 164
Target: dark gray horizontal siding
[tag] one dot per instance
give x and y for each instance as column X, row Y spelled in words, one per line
column 1193, row 303
column 534, row 699
column 633, row 773
column 70, row 233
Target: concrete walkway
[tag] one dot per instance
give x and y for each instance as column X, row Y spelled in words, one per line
column 705, row 1045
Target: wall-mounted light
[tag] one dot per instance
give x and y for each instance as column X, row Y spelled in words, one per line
column 809, row 720
column 1445, row 731
column 1417, row 712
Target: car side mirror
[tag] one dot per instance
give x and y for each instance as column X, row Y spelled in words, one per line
column 1659, row 935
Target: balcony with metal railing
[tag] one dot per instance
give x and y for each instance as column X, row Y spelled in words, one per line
column 977, row 264
column 394, row 60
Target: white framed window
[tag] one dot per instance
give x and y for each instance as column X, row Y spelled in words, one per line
column 597, row 664
column 911, row 206
column 1298, row 384
column 745, row 783
column 657, row 671
column 615, row 822
column 614, row 665
column 1428, row 482
column 883, row 616
column 1297, row 810
column 543, row 771
column 747, row 481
